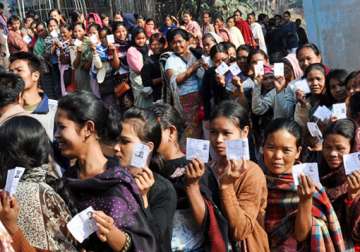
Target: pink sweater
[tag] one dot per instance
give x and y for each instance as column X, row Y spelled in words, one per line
column 134, row 59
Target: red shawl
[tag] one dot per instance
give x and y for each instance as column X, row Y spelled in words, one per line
column 246, row 32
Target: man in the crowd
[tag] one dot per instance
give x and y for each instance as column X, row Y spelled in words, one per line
column 289, row 33
column 303, row 39
column 257, row 32
column 11, row 88
column 35, row 101
column 207, row 26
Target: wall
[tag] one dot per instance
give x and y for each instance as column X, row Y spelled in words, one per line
column 333, row 25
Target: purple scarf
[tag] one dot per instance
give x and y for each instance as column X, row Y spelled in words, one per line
column 115, row 193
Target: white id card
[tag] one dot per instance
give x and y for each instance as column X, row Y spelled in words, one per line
column 351, row 162
column 12, row 179
column 237, row 149
column 309, row 169
column 140, row 155
column 222, row 69
column 197, row 148
column 81, row 226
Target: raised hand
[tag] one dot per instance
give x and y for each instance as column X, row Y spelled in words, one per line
column 232, row 172
column 305, row 189
column 145, row 180
column 353, row 184
column 9, row 212
column 194, row 171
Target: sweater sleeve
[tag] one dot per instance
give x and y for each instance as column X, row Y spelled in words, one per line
column 134, row 59
column 244, row 202
column 301, row 115
column 261, row 104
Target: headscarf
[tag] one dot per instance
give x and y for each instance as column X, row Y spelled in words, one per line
column 96, row 17
column 298, row 73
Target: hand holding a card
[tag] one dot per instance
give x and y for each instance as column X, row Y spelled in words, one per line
column 353, row 185
column 108, row 232
column 194, row 171
column 9, row 212
column 232, row 172
column 300, row 97
column 238, row 83
column 280, row 83
column 144, row 180
column 220, row 79
column 306, row 188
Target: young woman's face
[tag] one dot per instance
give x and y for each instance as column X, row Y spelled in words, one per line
column 219, row 58
column 232, row 53
column 69, row 135
column 316, row 80
column 306, row 57
column 256, row 58
column 337, row 90
column 241, row 59
column 156, row 47
column 94, row 32
column 120, row 33
column 218, row 23
column 353, row 85
column 128, row 139
column 140, row 23
column 223, row 129
column 231, row 22
column 55, row 15
column 140, row 39
column 53, row 26
column 186, row 18
column 179, row 44
column 40, row 31
column 79, row 32
column 237, row 16
column 106, row 21
column 168, row 21
column 150, row 25
column 280, row 152
column 207, row 44
column 65, row 33
column 335, row 146
column 206, row 19
column 91, row 20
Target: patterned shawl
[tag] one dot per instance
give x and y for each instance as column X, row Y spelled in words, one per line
column 281, row 213
column 43, row 213
column 115, row 193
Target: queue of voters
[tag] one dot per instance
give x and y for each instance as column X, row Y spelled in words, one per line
column 194, row 134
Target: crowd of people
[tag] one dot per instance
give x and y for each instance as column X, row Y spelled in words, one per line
column 78, row 94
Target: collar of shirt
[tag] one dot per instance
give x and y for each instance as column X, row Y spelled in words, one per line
column 43, row 107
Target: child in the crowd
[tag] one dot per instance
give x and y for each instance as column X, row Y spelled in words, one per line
column 136, row 56
column 343, row 190
column 297, row 218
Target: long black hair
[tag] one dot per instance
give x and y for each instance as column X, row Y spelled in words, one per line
column 147, row 128
column 24, row 143
column 83, row 106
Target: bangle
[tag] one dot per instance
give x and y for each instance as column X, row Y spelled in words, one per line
column 127, row 242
